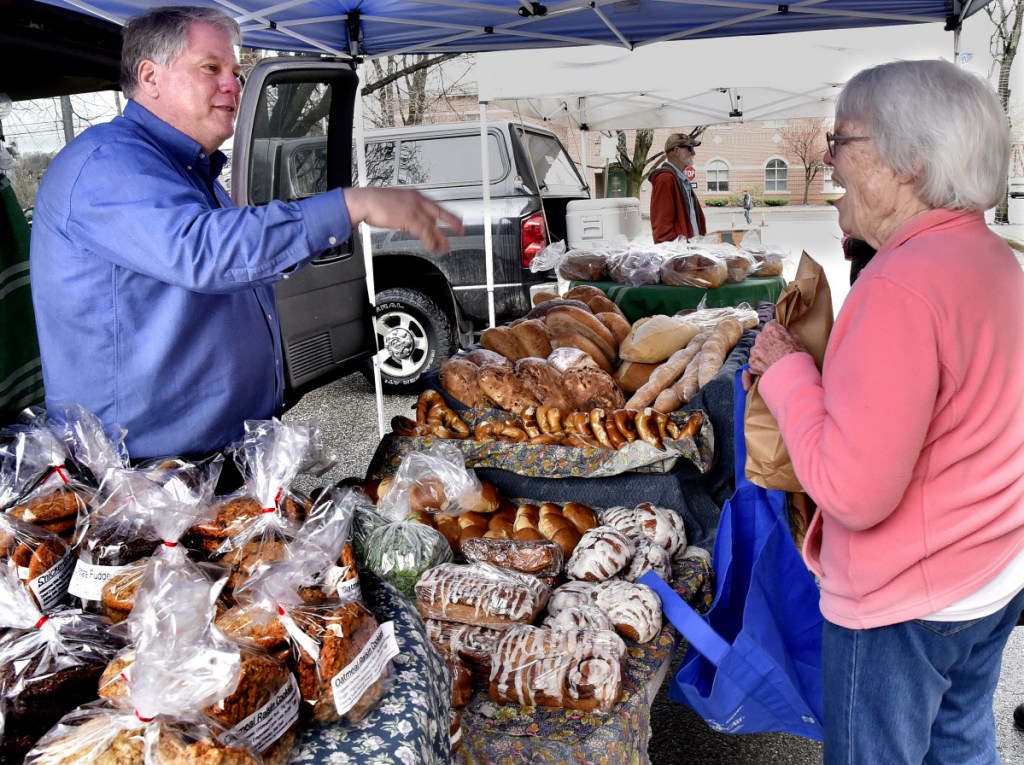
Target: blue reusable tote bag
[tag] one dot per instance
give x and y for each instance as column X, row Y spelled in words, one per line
column 754, row 660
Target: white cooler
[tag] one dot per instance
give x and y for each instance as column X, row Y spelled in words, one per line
column 598, row 222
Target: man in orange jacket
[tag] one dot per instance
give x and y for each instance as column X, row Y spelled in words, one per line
column 675, row 210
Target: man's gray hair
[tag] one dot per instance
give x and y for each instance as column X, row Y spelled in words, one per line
column 936, row 122
column 161, row 35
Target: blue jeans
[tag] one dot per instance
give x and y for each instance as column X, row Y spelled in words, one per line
column 915, row 692
column 746, row 214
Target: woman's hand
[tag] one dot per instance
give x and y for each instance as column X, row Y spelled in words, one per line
column 773, row 342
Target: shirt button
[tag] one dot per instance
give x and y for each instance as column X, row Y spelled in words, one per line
column 270, row 318
column 332, row 240
column 188, row 167
column 202, row 156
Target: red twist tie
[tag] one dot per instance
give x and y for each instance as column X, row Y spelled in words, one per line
column 280, row 610
column 170, row 544
column 59, row 470
column 42, row 621
column 143, row 719
column 269, row 509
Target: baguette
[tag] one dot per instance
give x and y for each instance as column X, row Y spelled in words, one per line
column 687, row 386
column 664, row 376
column 725, row 335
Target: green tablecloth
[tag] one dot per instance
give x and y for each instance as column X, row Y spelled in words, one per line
column 637, row 302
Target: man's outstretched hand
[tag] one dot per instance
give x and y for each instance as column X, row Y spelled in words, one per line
column 404, row 210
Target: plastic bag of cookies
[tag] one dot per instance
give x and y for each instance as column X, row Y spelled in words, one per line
column 41, row 561
column 49, row 664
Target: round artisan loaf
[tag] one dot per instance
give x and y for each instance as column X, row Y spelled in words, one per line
column 584, row 292
column 632, row 375
column 592, row 389
column 569, row 356
column 482, row 357
column 694, row 269
column 459, row 379
column 502, row 340
column 603, row 304
column 504, row 388
column 571, row 320
column 585, row 344
column 543, row 297
column 584, row 266
column 534, row 336
column 544, row 381
column 617, row 324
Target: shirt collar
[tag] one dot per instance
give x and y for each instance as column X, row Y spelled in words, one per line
column 179, row 146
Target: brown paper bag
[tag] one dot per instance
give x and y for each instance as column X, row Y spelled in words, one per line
column 805, row 309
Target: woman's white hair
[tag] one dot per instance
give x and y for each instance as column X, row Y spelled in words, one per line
column 936, row 122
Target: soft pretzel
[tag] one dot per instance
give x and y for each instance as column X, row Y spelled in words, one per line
column 625, row 422
column 426, row 400
column 441, row 416
column 597, row 426
column 692, row 426
column 404, row 426
column 647, row 428
column 614, row 436
column 529, row 420
column 582, row 441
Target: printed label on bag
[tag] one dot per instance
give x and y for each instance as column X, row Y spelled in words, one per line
column 351, row 683
column 268, row 723
column 346, row 589
column 51, row 586
column 88, row 579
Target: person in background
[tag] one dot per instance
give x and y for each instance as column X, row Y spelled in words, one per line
column 748, row 205
column 153, row 293
column 911, row 437
column 859, row 253
column 675, row 210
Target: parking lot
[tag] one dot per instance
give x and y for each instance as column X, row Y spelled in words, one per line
column 347, row 415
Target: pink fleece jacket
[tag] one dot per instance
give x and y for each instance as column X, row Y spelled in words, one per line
column 911, row 440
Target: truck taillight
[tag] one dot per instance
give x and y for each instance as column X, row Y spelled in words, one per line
column 534, row 237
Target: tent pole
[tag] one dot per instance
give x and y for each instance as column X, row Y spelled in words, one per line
column 364, row 231
column 485, row 180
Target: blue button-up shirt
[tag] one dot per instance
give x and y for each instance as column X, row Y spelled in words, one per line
column 153, row 293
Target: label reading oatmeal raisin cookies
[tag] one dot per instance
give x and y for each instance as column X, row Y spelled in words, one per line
column 51, row 586
column 268, row 723
column 351, row 683
column 88, row 579
column 335, row 583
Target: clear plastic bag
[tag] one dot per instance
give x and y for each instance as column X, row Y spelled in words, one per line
column 49, row 664
column 636, row 265
column 40, row 560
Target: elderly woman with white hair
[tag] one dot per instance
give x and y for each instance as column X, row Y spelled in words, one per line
column 911, row 436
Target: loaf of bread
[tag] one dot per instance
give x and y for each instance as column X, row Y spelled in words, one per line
column 541, row 310
column 543, row 381
column 648, row 557
column 561, row 339
column 694, row 269
column 575, row 669
column 767, row 264
column 602, row 553
column 662, row 526
column 584, row 292
column 482, row 357
column 471, row 643
column 502, row 340
column 617, row 324
column 583, row 266
column 624, row 519
column 567, row 320
column 538, row 557
column 534, row 336
column 636, row 267
column 737, row 265
column 502, row 386
column 655, row 338
column 458, row 377
column 480, row 594
column 592, row 389
column 715, row 349
column 572, row 593
column 569, row 356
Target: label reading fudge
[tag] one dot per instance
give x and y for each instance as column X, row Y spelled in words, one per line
column 351, row 683
column 51, row 586
column 88, row 579
column 268, row 723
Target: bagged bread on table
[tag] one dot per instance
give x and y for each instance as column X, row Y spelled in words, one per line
column 181, row 666
column 49, row 664
column 572, row 668
column 480, row 594
column 695, row 268
column 636, row 266
column 341, row 654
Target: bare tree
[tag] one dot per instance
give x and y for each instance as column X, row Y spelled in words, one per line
column 805, row 140
column 1006, row 16
column 400, row 86
column 639, row 165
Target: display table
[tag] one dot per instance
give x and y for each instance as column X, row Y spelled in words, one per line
column 637, row 302
column 496, row 734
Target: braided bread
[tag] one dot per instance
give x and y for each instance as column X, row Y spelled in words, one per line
column 479, row 593
column 580, row 617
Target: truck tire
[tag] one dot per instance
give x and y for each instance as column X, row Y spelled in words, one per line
column 417, row 335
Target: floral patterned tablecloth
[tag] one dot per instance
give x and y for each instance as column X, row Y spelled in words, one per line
column 495, row 734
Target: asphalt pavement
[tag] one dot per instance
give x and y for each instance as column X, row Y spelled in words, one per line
column 347, row 415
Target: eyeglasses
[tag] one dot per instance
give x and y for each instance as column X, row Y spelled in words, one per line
column 835, row 141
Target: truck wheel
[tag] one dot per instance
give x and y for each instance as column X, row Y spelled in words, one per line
column 416, row 334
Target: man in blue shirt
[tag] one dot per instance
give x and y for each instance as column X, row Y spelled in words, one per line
column 153, row 293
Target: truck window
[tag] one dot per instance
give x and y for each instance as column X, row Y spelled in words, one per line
column 552, row 166
column 447, row 161
column 380, row 163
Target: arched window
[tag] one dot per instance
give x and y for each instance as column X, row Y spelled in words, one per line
column 776, row 176
column 718, row 175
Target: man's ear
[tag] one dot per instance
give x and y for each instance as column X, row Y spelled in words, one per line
column 148, row 78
